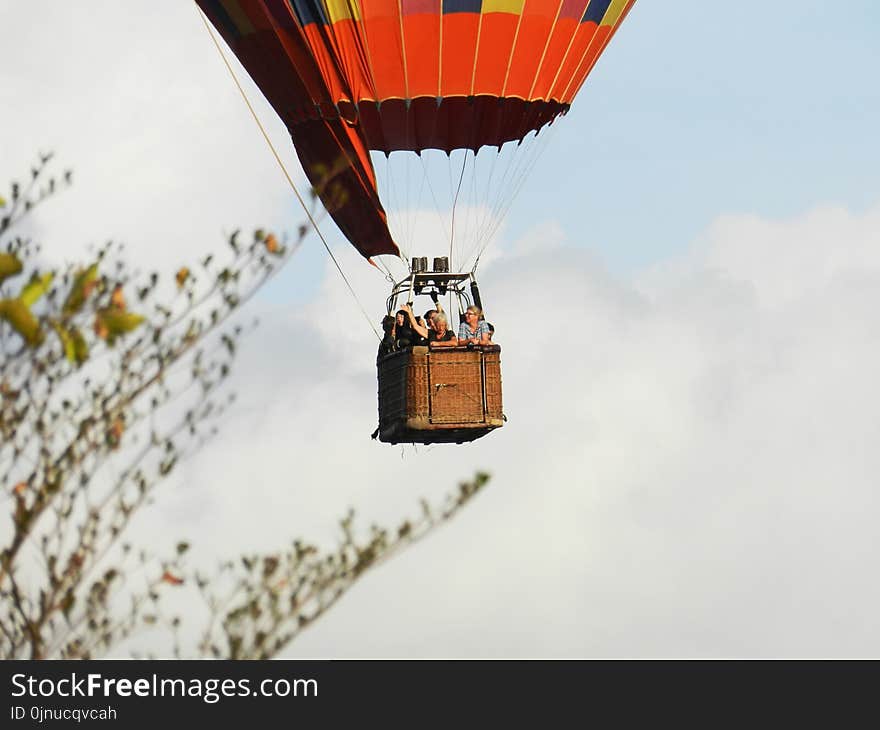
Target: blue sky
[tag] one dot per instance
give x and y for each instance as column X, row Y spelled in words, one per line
column 700, row 109
column 693, row 112
column 696, row 111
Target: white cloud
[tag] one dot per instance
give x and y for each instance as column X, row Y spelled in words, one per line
column 688, row 470
column 165, row 155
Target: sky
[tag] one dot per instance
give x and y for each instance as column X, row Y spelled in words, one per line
column 685, row 292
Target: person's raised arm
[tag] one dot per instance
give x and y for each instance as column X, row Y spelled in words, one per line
column 413, row 322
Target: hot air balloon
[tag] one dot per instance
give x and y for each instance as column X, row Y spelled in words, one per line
column 410, row 80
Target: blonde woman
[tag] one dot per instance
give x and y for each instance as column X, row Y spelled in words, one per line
column 474, row 331
column 440, row 335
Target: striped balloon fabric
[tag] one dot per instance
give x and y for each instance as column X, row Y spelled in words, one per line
column 389, row 75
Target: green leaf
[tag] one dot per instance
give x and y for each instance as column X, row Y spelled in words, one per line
column 76, row 349
column 80, row 346
column 66, row 341
column 19, row 317
column 79, row 292
column 35, row 288
column 9, row 266
column 118, row 322
column 2, row 202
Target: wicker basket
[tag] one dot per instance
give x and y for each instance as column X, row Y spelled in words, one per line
column 450, row 394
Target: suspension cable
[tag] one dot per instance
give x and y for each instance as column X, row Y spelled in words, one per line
column 455, row 203
column 286, row 173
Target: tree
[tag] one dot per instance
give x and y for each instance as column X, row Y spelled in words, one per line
column 109, row 378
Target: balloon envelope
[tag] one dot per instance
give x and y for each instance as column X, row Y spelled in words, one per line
column 350, row 76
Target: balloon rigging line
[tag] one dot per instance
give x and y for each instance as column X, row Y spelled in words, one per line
column 473, row 209
column 492, row 202
column 414, row 216
column 434, row 197
column 393, row 201
column 525, row 165
column 286, row 174
column 493, row 206
column 455, row 202
column 492, row 165
column 427, row 177
column 536, row 148
column 517, row 171
column 406, row 185
column 387, row 193
column 511, row 165
column 413, row 207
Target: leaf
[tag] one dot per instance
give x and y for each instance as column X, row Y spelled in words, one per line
column 2, row 202
column 100, row 328
column 114, row 433
column 82, row 287
column 181, row 277
column 80, row 346
column 19, row 317
column 66, row 340
column 9, row 266
column 272, row 245
column 35, row 288
column 112, row 323
column 117, row 298
column 170, row 578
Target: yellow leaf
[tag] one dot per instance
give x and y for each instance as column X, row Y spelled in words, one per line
column 9, row 266
column 100, row 328
column 66, row 341
column 80, row 346
column 111, row 323
column 117, row 298
column 83, row 284
column 35, row 288
column 182, row 276
column 21, row 320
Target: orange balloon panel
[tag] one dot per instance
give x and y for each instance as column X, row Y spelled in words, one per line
column 390, row 75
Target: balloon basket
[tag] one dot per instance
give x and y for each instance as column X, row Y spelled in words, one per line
column 448, row 395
